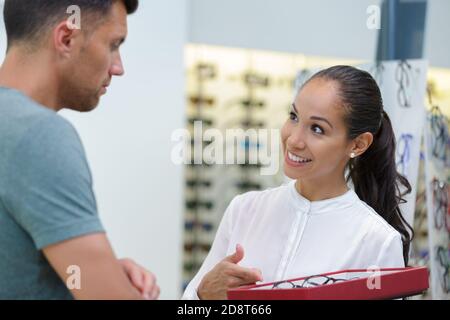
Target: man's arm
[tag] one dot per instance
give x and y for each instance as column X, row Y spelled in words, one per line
column 52, row 199
column 102, row 276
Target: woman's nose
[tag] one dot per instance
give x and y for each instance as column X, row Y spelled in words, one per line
column 296, row 139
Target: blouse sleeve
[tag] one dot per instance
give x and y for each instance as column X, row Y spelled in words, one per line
column 391, row 253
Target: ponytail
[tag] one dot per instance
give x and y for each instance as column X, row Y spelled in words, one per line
column 377, row 182
column 374, row 173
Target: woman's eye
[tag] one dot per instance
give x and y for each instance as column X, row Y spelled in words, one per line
column 317, row 129
column 292, row 116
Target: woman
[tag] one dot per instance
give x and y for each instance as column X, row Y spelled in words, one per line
column 317, row 224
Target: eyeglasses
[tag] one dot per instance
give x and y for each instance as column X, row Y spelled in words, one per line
column 244, row 124
column 440, row 138
column 443, row 257
column 189, row 247
column 248, row 185
column 207, row 122
column 312, row 281
column 252, row 124
column 402, row 76
column 194, row 204
column 191, row 266
column 203, row 101
column 203, row 143
column 404, row 152
column 190, row 225
column 255, row 80
column 250, row 166
column 193, row 183
column 249, row 145
column 206, row 71
column 420, row 214
column 440, row 203
column 252, row 103
column 419, row 257
column 200, row 166
column 247, row 103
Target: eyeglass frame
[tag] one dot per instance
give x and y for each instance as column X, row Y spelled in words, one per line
column 440, row 137
column 405, row 154
column 402, row 76
column 445, row 282
column 307, row 280
column 440, row 204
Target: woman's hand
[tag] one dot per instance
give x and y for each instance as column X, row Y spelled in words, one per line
column 226, row 275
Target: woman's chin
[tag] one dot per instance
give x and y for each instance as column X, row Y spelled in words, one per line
column 293, row 175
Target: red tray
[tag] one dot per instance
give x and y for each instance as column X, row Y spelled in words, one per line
column 359, row 284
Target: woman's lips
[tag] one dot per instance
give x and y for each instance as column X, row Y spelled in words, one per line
column 293, row 163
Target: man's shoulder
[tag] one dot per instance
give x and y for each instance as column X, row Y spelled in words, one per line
column 22, row 117
column 31, row 131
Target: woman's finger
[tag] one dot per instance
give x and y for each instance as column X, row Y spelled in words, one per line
column 247, row 275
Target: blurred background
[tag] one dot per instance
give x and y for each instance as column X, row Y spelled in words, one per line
column 237, row 64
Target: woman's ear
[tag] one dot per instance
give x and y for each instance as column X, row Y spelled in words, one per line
column 360, row 144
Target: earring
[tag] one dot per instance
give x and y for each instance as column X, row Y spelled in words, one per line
column 352, row 155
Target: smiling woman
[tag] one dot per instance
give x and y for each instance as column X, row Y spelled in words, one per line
column 336, row 125
column 350, row 99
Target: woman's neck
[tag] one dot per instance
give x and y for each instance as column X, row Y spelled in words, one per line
column 315, row 190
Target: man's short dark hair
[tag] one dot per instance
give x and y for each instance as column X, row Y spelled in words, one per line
column 26, row 20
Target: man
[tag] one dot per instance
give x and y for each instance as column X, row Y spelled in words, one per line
column 52, row 243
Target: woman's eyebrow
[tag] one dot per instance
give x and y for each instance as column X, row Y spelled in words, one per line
column 321, row 119
column 313, row 117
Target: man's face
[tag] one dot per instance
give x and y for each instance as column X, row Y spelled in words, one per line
column 89, row 73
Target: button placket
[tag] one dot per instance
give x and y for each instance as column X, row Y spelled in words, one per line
column 295, row 236
column 298, row 238
column 289, row 244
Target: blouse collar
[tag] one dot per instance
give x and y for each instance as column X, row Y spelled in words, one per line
column 322, row 206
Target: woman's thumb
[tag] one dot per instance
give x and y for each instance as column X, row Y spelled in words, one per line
column 237, row 256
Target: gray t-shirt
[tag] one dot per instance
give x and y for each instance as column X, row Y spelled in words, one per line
column 46, row 195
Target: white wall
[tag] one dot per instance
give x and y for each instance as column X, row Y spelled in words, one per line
column 335, row 28
column 317, row 27
column 127, row 140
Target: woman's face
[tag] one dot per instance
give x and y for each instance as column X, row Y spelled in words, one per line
column 314, row 138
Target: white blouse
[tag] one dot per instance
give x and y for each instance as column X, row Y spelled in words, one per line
column 287, row 236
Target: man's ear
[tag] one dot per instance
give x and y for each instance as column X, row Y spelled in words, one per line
column 361, row 143
column 66, row 40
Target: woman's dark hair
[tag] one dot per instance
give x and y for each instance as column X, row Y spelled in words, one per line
column 26, row 20
column 374, row 173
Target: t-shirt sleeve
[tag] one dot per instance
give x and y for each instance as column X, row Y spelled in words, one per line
column 49, row 184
